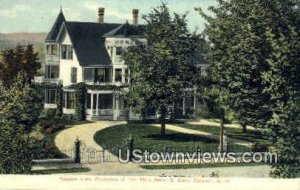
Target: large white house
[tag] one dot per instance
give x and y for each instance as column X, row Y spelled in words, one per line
column 90, row 52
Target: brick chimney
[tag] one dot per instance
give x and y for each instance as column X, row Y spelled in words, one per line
column 101, row 15
column 135, row 14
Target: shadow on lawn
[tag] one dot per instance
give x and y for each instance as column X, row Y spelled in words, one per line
column 181, row 137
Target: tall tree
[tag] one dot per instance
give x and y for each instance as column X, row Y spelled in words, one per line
column 283, row 84
column 19, row 60
column 20, row 106
column 160, row 69
column 254, row 48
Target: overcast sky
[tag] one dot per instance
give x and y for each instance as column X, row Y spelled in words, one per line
column 39, row 15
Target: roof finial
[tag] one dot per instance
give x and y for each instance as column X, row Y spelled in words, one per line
column 61, row 9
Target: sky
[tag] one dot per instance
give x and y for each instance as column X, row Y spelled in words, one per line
column 39, row 15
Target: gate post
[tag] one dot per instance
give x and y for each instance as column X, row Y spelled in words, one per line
column 77, row 151
column 131, row 147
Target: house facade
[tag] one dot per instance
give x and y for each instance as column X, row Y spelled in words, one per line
column 90, row 53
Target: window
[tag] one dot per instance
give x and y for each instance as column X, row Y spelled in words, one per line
column 52, row 49
column 126, row 76
column 102, row 75
column 73, row 75
column 105, row 101
column 88, row 101
column 89, row 74
column 118, row 50
column 50, row 97
column 69, row 100
column 118, row 75
column 51, row 71
column 66, row 51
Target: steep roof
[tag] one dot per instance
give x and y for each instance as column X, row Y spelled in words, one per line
column 125, row 30
column 89, row 43
column 51, row 37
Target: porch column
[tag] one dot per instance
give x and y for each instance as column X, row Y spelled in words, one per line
column 92, row 103
column 65, row 93
column 183, row 105
column 116, row 111
column 97, row 105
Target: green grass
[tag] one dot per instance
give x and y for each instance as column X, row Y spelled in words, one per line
column 61, row 170
column 250, row 135
column 202, row 165
column 147, row 137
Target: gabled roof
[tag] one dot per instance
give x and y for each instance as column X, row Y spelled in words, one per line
column 89, row 43
column 125, row 30
column 51, row 37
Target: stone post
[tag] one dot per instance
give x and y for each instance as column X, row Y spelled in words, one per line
column 77, row 151
column 130, row 148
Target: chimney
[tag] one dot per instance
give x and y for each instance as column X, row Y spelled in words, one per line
column 101, row 15
column 135, row 14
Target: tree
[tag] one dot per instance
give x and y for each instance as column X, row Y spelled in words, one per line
column 20, row 106
column 238, row 51
column 283, row 84
column 19, row 60
column 160, row 69
column 254, row 48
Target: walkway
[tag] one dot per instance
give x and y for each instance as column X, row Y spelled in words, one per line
column 84, row 132
column 209, row 135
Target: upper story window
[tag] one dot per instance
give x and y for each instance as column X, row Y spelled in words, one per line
column 66, row 51
column 51, row 71
column 52, row 49
column 118, row 75
column 126, row 76
column 119, row 50
column 73, row 75
column 102, row 75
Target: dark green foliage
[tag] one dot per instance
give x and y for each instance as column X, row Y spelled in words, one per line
column 15, row 152
column 80, row 93
column 21, row 105
column 160, row 70
column 17, row 61
column 255, row 48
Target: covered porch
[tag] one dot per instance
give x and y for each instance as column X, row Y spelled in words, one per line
column 106, row 104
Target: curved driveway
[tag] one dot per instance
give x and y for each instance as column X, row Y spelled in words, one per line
column 85, row 133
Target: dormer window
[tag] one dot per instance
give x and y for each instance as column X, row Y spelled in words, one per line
column 66, row 51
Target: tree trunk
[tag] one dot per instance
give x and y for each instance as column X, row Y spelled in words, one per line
column 221, row 149
column 163, row 122
column 221, row 144
column 244, row 128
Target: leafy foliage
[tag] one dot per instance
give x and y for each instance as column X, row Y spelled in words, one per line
column 255, row 71
column 15, row 152
column 21, row 105
column 17, row 61
column 160, row 69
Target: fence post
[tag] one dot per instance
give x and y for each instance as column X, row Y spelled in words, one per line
column 77, row 151
column 131, row 147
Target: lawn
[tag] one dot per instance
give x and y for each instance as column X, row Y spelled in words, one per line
column 202, row 165
column 251, row 135
column 147, row 137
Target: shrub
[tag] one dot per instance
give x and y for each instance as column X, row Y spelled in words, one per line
column 260, row 147
column 15, row 151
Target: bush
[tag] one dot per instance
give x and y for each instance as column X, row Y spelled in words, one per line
column 15, row 151
column 51, row 126
column 260, row 147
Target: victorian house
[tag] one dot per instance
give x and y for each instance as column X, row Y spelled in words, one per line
column 89, row 52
